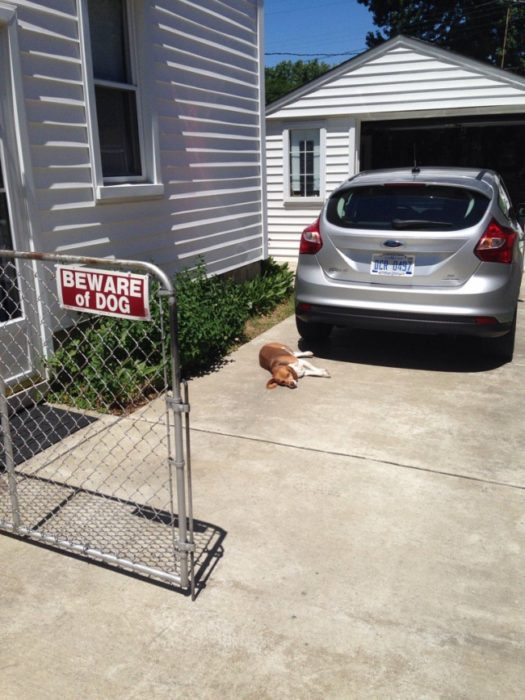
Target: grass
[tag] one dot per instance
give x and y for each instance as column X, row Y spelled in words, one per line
column 259, row 324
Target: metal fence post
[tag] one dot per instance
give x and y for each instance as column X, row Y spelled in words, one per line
column 9, row 455
column 183, row 546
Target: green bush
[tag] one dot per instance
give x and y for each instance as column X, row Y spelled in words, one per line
column 212, row 312
column 265, row 292
column 106, row 363
column 109, row 364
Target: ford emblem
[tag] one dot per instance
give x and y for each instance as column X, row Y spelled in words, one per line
column 392, row 244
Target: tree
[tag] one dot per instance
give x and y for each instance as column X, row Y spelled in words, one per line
column 490, row 30
column 289, row 75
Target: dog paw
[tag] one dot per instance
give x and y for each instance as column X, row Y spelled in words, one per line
column 326, row 374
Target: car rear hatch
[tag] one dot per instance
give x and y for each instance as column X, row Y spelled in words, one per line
column 408, row 234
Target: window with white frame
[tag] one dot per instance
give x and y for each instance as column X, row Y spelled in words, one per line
column 116, row 91
column 305, row 162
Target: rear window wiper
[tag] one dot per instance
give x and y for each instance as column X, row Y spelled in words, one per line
column 418, row 223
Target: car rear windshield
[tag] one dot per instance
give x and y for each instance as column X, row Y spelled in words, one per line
column 406, row 207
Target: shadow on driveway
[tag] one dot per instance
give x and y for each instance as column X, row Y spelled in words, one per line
column 423, row 352
column 38, row 427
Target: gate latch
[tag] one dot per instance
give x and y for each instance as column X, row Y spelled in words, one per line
column 185, row 547
column 177, row 406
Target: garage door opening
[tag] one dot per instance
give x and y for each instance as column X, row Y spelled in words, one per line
column 496, row 142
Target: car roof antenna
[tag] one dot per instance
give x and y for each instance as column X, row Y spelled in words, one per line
column 416, row 169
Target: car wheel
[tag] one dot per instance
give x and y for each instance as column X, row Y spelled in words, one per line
column 503, row 346
column 312, row 330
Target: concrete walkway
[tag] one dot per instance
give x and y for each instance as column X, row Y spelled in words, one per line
column 374, row 548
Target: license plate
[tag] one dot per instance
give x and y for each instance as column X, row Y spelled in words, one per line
column 393, row 265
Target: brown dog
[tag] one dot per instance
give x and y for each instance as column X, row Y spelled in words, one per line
column 285, row 365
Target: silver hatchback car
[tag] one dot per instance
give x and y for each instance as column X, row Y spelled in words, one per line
column 421, row 250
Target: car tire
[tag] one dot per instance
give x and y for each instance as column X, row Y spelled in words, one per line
column 313, row 331
column 503, row 346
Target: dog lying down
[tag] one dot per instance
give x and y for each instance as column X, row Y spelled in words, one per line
column 287, row 366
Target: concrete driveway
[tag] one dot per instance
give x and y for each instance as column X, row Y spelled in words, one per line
column 374, row 548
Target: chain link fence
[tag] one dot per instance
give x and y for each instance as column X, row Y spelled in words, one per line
column 94, row 442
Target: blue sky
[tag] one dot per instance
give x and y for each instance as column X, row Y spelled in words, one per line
column 314, row 27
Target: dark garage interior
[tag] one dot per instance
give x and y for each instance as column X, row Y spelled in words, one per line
column 496, row 142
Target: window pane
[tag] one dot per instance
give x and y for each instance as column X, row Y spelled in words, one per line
column 9, row 296
column 108, row 32
column 118, row 132
column 305, row 163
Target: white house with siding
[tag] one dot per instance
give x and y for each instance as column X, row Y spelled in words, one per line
column 401, row 102
column 130, row 129
column 133, row 128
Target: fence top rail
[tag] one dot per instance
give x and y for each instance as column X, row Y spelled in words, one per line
column 96, row 262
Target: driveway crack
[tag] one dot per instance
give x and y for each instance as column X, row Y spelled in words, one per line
column 336, row 453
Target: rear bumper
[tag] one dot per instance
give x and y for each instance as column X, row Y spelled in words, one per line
column 490, row 294
column 434, row 324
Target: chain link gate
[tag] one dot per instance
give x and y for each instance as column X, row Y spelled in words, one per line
column 94, row 440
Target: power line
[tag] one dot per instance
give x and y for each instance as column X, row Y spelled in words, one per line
column 303, row 7
column 439, row 17
column 478, row 14
column 315, row 54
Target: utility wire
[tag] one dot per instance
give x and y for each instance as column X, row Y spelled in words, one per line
column 315, row 54
column 478, row 13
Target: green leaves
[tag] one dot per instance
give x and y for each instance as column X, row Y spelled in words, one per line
column 211, row 313
column 490, row 31
column 289, row 75
column 265, row 292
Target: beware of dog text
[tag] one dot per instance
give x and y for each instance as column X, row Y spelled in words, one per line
column 103, row 292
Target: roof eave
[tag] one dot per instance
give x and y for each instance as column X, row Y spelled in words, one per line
column 371, row 54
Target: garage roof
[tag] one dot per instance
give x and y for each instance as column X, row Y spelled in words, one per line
column 404, row 75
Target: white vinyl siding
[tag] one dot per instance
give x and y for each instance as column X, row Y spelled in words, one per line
column 55, row 108
column 404, row 80
column 207, row 64
column 202, row 59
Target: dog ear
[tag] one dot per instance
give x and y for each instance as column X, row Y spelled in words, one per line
column 294, row 373
column 271, row 383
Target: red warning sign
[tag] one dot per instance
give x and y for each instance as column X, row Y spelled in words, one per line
column 119, row 294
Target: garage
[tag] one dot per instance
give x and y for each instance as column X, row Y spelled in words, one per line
column 403, row 101
column 496, row 142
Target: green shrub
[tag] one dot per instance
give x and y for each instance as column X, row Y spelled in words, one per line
column 273, row 286
column 212, row 312
column 108, row 364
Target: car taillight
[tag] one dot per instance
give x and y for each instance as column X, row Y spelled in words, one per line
column 496, row 244
column 311, row 241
